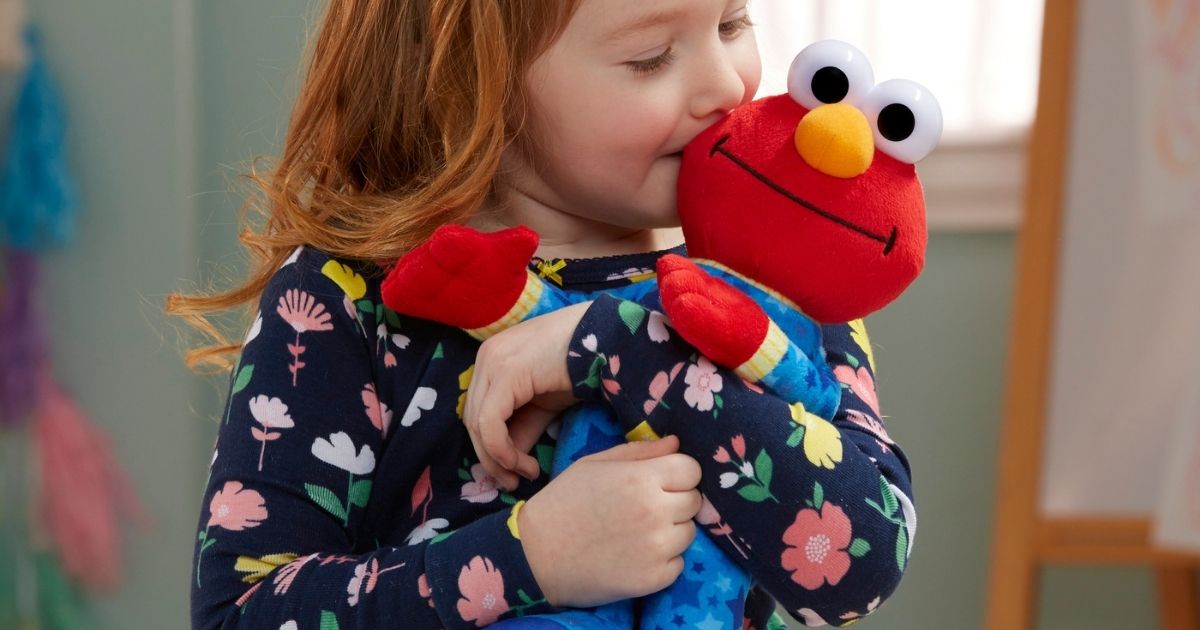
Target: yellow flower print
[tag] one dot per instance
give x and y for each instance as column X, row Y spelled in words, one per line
column 258, row 568
column 822, row 441
column 464, row 380
column 345, row 277
column 858, row 332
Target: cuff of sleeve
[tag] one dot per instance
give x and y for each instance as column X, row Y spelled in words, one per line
column 612, row 356
column 479, row 574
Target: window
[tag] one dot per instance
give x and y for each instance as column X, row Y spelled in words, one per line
column 979, row 58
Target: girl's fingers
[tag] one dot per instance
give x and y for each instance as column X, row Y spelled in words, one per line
column 495, row 408
column 505, row 477
column 526, row 427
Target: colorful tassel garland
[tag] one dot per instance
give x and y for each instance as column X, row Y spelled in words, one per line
column 81, row 491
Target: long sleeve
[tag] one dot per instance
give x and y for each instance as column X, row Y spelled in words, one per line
column 280, row 541
column 817, row 510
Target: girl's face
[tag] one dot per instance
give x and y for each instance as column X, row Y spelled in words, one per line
column 614, row 100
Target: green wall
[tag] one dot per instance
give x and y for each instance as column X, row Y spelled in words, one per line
column 167, row 100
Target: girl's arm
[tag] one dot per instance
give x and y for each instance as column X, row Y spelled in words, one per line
column 818, row 511
column 291, row 477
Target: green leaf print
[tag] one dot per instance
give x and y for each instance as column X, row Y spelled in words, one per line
column 859, row 548
column 325, row 498
column 365, row 305
column 902, row 548
column 243, row 378
column 889, row 498
column 545, row 457
column 763, row 466
column 776, row 622
column 464, row 475
column 391, row 317
column 442, row 536
column 360, row 492
column 795, row 438
column 593, row 377
column 438, row 352
column 329, row 620
column 818, row 495
column 758, row 494
column 850, row 358
column 632, row 315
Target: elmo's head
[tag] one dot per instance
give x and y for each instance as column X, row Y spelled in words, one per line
column 814, row 193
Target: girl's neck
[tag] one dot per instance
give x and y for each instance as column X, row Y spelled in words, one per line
column 564, row 235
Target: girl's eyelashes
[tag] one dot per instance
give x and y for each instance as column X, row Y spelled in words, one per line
column 728, row 30
column 648, row 66
column 732, row 28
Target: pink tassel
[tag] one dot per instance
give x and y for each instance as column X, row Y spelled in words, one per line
column 81, row 490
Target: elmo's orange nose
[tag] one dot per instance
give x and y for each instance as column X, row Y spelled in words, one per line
column 836, row 140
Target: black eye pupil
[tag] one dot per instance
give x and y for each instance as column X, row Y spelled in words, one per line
column 830, row 85
column 896, row 122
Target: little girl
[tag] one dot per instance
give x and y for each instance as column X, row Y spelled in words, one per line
column 345, row 490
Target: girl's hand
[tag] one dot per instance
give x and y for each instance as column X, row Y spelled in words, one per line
column 613, row 525
column 520, row 377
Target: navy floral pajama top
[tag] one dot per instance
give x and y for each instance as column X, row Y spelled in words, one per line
column 344, row 491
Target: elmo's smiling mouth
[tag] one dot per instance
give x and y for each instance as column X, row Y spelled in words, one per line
column 888, row 242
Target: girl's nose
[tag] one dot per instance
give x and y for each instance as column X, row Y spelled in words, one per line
column 836, row 139
column 724, row 89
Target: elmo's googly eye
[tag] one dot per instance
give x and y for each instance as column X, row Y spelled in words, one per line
column 830, row 72
column 905, row 118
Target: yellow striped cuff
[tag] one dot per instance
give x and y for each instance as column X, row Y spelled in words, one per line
column 641, row 432
column 768, row 355
column 512, row 520
column 525, row 302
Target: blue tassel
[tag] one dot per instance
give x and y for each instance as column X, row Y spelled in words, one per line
column 37, row 199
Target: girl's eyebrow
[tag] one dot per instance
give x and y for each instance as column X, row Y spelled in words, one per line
column 645, row 22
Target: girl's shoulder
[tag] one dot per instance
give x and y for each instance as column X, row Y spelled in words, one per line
column 350, row 291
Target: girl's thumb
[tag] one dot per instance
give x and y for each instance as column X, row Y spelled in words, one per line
column 646, row 449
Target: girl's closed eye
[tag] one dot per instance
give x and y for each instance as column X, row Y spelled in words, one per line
column 728, row 30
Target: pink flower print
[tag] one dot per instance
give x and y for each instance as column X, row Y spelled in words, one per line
column 482, row 588
column 483, row 487
column 272, row 414
column 424, row 590
column 709, row 516
column 703, row 381
column 739, row 446
column 722, row 455
column 377, row 412
column 235, row 508
column 870, row 424
column 283, row 579
column 861, row 383
column 365, row 577
column 304, row 314
column 658, row 388
column 816, row 546
column 611, row 386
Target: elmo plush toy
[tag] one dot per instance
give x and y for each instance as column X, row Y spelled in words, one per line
column 797, row 209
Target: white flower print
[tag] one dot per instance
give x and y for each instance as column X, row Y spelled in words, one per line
column 426, row 531
column 811, row 618
column 270, row 412
column 702, row 380
column 338, row 450
column 656, row 326
column 291, row 259
column 255, row 328
column 423, row 399
column 729, row 479
column 590, row 342
column 910, row 515
column 289, row 625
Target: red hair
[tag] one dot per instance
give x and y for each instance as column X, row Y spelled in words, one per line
column 399, row 125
